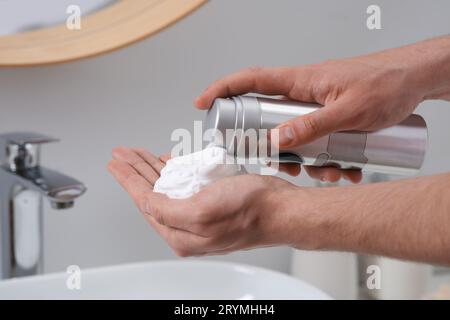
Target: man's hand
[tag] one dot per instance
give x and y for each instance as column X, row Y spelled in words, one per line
column 364, row 93
column 358, row 94
column 234, row 213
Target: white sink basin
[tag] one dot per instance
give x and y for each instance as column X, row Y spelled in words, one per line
column 165, row 280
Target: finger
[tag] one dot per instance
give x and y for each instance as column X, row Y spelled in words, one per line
column 304, row 129
column 324, row 174
column 135, row 184
column 354, row 176
column 168, row 212
column 292, row 169
column 151, row 159
column 331, row 174
column 137, row 162
column 270, row 81
column 164, row 158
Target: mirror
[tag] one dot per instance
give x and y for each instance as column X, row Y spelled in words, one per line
column 55, row 31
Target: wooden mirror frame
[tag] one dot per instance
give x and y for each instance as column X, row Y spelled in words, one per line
column 111, row 28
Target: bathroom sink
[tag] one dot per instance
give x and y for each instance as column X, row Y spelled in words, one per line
column 165, row 280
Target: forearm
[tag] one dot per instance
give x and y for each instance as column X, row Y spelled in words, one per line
column 408, row 219
column 428, row 65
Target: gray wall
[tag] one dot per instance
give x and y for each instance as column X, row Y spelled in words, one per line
column 138, row 95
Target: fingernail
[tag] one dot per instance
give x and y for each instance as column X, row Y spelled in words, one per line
column 286, row 135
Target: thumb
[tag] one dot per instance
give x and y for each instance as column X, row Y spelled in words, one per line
column 314, row 125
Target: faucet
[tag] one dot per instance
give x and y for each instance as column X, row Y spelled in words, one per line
column 23, row 185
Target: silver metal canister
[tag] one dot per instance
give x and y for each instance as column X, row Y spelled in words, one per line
column 399, row 149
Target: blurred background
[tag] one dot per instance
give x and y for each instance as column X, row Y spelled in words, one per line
column 136, row 96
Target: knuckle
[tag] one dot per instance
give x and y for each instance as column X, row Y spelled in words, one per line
column 322, row 89
column 309, row 125
column 309, row 69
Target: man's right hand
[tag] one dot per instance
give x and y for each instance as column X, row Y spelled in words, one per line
column 363, row 93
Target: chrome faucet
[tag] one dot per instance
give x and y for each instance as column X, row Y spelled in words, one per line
column 23, row 185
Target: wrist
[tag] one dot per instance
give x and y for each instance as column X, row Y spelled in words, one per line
column 422, row 78
column 429, row 66
column 425, row 67
column 277, row 209
column 310, row 217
